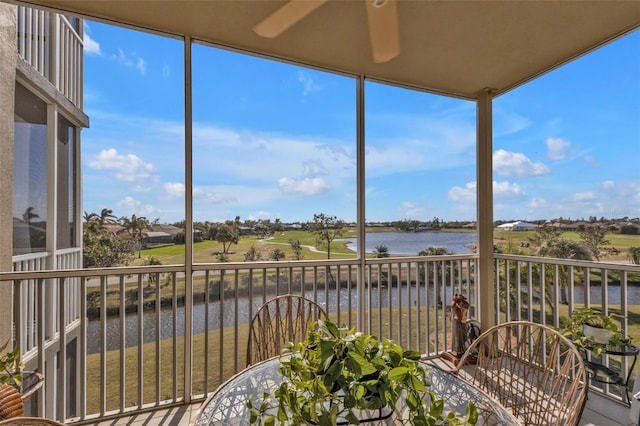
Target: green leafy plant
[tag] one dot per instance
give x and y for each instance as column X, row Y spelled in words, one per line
column 573, row 327
column 336, row 375
column 10, row 366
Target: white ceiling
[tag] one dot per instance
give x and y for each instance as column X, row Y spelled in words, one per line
column 454, row 47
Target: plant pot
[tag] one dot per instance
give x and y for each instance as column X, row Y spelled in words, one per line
column 599, row 335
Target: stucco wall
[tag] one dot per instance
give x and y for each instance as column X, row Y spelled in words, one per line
column 8, row 57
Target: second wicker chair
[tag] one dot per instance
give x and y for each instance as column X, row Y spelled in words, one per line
column 531, row 369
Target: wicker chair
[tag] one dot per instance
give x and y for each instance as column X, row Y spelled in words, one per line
column 30, row 421
column 531, row 369
column 280, row 320
column 11, row 403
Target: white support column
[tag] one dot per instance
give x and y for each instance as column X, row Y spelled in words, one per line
column 51, row 308
column 360, row 190
column 188, row 223
column 484, row 204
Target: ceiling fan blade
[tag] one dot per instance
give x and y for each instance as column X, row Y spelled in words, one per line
column 290, row 13
column 383, row 29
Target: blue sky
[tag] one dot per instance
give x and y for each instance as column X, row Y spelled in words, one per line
column 273, row 140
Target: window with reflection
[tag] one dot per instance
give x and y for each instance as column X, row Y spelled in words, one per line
column 29, row 173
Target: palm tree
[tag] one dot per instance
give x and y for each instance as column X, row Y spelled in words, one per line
column 106, row 214
column 89, row 217
column 135, row 227
column 227, row 235
column 381, row 251
column 29, row 214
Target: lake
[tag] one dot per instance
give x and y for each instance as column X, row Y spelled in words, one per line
column 410, row 243
column 225, row 314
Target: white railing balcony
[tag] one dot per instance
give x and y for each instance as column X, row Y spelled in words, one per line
column 154, row 337
column 54, row 48
column 28, row 293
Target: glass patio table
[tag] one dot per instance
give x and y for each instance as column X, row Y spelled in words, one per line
column 228, row 404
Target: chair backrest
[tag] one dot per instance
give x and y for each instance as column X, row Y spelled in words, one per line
column 280, row 320
column 531, row 369
column 30, row 421
column 11, row 403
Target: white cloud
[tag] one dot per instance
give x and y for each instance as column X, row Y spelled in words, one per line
column 140, row 188
column 592, row 161
column 506, row 190
column 508, row 123
column 131, row 60
column 306, row 185
column 313, row 169
column 583, row 196
column 125, row 168
column 608, row 184
column 308, row 85
column 538, row 203
column 259, row 215
column 91, row 46
column 557, row 148
column 133, row 206
column 411, row 211
column 515, row 164
column 141, row 65
column 207, row 196
column 174, row 190
column 463, row 195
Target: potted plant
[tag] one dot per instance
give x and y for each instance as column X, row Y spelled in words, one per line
column 10, row 366
column 590, row 329
column 337, row 376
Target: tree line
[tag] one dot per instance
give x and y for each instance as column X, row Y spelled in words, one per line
column 104, row 248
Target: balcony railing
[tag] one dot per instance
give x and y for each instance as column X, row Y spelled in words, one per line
column 148, row 337
column 53, row 47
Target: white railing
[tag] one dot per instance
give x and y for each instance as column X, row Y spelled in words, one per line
column 70, row 258
column 33, row 38
column 70, row 62
column 49, row 43
column 27, row 294
column 136, row 325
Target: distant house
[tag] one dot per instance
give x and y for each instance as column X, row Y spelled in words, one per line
column 169, row 229
column 517, row 226
column 172, row 231
column 153, row 238
column 471, row 225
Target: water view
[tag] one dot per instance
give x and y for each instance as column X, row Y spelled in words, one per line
column 410, row 243
column 224, row 313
